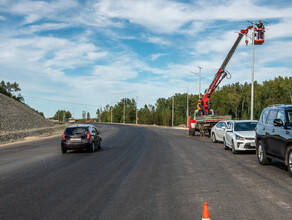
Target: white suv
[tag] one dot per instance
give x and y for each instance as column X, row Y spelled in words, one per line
column 240, row 135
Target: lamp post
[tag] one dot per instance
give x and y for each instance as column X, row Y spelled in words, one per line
column 187, row 106
column 124, row 111
column 172, row 118
column 252, row 74
column 199, row 74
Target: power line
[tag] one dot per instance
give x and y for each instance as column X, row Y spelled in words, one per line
column 52, row 100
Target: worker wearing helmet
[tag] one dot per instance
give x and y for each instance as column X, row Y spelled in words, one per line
column 260, row 30
column 200, row 107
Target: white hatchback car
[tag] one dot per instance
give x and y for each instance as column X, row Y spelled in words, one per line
column 218, row 130
column 240, row 135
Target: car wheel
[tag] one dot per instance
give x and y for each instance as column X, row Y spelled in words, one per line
column 63, row 149
column 214, row 138
column 261, row 154
column 92, row 149
column 99, row 145
column 233, row 148
column 224, row 144
column 289, row 160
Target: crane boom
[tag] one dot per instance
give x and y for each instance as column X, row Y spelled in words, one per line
column 221, row 73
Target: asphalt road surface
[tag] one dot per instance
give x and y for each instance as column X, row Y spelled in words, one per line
column 140, row 173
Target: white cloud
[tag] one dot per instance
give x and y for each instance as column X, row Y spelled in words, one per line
column 156, row 56
column 36, row 10
column 43, row 61
column 170, row 16
column 2, row 18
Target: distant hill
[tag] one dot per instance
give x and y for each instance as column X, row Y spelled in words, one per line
column 16, row 116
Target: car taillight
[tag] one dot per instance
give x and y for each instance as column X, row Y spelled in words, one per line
column 63, row 138
column 88, row 135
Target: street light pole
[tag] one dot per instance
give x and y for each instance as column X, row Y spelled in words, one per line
column 200, row 68
column 187, row 106
column 199, row 74
column 124, row 110
column 252, row 74
column 111, row 114
column 172, row 119
column 136, row 110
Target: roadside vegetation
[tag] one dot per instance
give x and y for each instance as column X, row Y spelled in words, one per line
column 233, row 99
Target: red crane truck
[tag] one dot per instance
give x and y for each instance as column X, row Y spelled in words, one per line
column 204, row 119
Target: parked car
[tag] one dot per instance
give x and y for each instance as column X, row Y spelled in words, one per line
column 240, row 135
column 274, row 135
column 218, row 130
column 83, row 136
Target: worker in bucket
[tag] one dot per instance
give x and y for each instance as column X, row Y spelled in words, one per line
column 200, row 108
column 260, row 29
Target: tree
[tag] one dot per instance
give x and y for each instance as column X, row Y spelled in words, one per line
column 9, row 89
column 62, row 115
column 88, row 116
column 83, row 115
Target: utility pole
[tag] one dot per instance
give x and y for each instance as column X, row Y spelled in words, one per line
column 187, row 106
column 200, row 68
column 100, row 110
column 199, row 74
column 172, row 119
column 136, row 110
column 124, row 110
column 252, row 74
column 111, row 114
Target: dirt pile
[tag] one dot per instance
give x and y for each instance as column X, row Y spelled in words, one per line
column 16, row 116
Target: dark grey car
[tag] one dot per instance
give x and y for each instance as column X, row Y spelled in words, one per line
column 83, row 136
column 274, row 135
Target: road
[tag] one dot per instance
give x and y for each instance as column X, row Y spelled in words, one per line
column 140, row 173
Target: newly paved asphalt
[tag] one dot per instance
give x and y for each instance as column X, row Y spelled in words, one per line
column 140, row 173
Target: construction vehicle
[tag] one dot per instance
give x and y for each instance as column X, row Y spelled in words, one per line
column 204, row 118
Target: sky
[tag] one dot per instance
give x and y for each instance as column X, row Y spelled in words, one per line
column 96, row 52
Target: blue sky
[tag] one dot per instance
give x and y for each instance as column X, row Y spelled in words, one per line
column 99, row 52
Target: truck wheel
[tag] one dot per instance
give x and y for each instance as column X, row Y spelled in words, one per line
column 261, row 154
column 214, row 138
column 289, row 160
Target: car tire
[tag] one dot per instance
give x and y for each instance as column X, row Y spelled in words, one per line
column 92, row 148
column 224, row 144
column 63, row 149
column 233, row 148
column 99, row 145
column 214, row 140
column 261, row 154
column 289, row 160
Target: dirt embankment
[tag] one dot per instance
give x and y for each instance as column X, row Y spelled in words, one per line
column 18, row 121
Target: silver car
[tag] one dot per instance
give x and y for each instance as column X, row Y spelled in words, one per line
column 240, row 135
column 218, row 130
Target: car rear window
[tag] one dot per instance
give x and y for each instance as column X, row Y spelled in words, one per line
column 77, row 130
column 245, row 126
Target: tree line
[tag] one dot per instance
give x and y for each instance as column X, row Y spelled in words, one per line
column 233, row 99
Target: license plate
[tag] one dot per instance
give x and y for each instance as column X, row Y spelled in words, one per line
column 75, row 139
column 252, row 144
